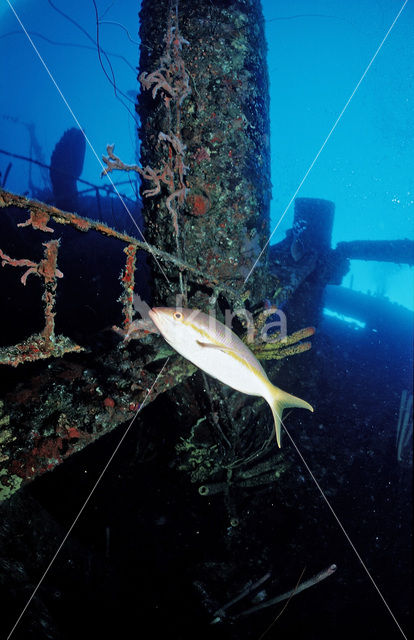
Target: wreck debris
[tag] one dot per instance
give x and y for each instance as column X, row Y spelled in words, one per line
column 128, row 281
column 398, row 251
column 62, row 423
column 39, row 216
column 168, row 150
column 172, row 79
column 66, row 164
column 46, row 344
column 41, row 213
column 221, row 615
column 219, row 470
column 222, row 128
column 322, row 575
column 250, row 588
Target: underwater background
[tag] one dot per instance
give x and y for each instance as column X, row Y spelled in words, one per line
column 152, row 549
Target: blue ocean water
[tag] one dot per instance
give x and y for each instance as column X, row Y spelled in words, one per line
column 317, row 55
column 332, row 137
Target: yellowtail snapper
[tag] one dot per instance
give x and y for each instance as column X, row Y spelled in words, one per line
column 215, row 349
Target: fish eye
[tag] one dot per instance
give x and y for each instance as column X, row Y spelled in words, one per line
column 178, row 315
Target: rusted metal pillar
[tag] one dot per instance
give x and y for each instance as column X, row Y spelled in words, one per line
column 204, row 109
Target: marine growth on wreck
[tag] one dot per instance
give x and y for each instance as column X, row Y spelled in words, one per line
column 125, row 457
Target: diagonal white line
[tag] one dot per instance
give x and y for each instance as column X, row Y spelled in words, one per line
column 84, row 134
column 84, row 504
column 342, row 529
column 326, row 139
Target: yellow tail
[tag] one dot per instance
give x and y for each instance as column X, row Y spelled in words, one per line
column 280, row 400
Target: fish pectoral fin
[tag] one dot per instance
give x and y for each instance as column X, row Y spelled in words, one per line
column 228, row 350
column 206, row 344
column 220, row 347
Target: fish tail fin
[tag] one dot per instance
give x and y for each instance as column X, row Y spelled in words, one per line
column 280, row 400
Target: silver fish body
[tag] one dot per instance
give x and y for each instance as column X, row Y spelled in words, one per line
column 218, row 351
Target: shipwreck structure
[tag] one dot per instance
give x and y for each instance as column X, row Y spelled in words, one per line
column 205, row 204
column 206, row 190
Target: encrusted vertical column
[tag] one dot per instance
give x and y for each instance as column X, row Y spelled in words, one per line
column 204, row 109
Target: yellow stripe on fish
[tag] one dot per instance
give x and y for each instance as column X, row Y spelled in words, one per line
column 218, row 351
